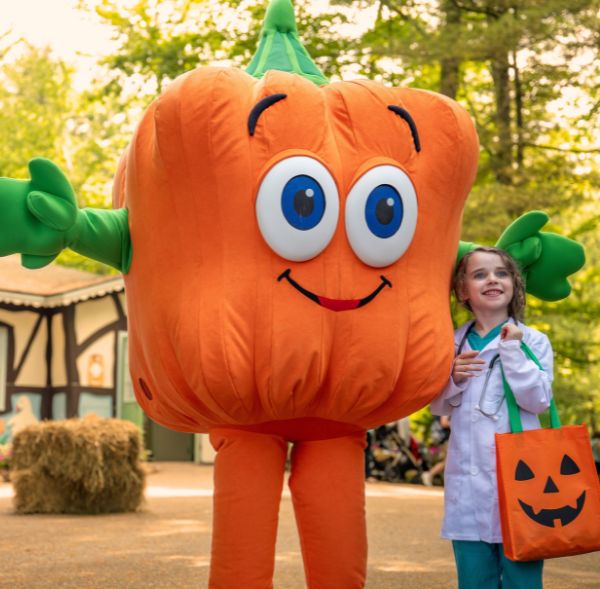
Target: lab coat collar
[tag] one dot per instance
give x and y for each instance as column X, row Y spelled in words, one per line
column 461, row 334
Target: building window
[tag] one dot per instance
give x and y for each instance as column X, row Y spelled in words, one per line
column 3, row 361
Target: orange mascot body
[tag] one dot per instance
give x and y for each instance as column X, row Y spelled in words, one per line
column 293, row 247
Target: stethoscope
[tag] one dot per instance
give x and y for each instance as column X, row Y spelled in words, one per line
column 482, row 398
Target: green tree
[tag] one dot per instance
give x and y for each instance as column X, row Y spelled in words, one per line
column 35, row 100
column 41, row 115
column 159, row 40
column 506, row 60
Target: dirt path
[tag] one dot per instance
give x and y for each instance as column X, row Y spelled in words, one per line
column 168, row 544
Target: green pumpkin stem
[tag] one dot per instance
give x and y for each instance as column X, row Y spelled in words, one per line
column 280, row 48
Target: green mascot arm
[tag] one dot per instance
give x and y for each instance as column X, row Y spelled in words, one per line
column 39, row 218
column 103, row 235
column 546, row 259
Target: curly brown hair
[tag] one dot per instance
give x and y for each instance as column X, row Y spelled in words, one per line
column 516, row 307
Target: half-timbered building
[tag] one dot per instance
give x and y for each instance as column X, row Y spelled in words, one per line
column 63, row 353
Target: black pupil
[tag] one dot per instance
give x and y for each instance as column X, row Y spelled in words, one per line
column 384, row 211
column 304, row 204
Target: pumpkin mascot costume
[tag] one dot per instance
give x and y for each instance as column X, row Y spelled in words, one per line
column 287, row 246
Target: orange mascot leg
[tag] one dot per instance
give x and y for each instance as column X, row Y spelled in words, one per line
column 328, row 492
column 248, row 473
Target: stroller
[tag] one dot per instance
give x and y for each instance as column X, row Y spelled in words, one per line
column 393, row 459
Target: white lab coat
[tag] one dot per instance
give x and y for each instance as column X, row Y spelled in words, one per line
column 471, row 496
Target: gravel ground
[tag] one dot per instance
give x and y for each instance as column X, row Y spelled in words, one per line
column 167, row 545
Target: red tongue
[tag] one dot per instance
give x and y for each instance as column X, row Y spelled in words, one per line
column 339, row 305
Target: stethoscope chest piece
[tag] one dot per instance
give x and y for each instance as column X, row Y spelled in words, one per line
column 489, row 403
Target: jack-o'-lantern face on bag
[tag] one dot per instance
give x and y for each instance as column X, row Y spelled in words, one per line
column 550, row 496
column 293, row 248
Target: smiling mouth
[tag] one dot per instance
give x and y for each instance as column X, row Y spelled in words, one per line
column 335, row 304
column 548, row 517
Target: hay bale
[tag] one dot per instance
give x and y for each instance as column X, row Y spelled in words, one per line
column 89, row 465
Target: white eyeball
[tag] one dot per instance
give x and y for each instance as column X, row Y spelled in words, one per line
column 381, row 215
column 297, row 208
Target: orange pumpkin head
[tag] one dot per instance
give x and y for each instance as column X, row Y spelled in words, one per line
column 293, row 247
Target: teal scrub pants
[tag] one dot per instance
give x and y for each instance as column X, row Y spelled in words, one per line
column 483, row 566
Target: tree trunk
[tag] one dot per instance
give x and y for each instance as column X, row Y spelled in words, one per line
column 502, row 163
column 450, row 64
column 518, row 112
column 449, row 77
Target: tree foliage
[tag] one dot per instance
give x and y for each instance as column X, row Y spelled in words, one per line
column 159, row 40
column 41, row 115
column 35, row 100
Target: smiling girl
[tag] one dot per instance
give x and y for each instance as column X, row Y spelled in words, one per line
column 488, row 283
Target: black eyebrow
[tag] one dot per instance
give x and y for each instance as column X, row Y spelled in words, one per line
column 261, row 106
column 403, row 113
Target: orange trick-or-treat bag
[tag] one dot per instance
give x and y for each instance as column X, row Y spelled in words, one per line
column 548, row 488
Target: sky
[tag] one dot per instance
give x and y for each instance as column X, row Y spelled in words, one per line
column 61, row 25
column 74, row 35
column 57, row 23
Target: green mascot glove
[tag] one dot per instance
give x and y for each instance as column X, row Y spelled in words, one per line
column 39, row 218
column 546, row 259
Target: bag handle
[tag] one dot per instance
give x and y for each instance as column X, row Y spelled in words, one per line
column 514, row 414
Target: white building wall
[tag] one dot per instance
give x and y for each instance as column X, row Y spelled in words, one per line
column 33, row 372
column 97, row 363
column 59, row 369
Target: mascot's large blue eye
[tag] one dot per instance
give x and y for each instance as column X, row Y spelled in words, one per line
column 384, row 211
column 297, row 207
column 303, row 202
column 381, row 215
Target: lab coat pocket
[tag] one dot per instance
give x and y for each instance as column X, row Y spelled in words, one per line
column 491, row 398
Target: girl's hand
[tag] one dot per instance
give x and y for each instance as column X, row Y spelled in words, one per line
column 466, row 365
column 510, row 331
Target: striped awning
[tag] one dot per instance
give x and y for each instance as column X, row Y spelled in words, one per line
column 52, row 286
